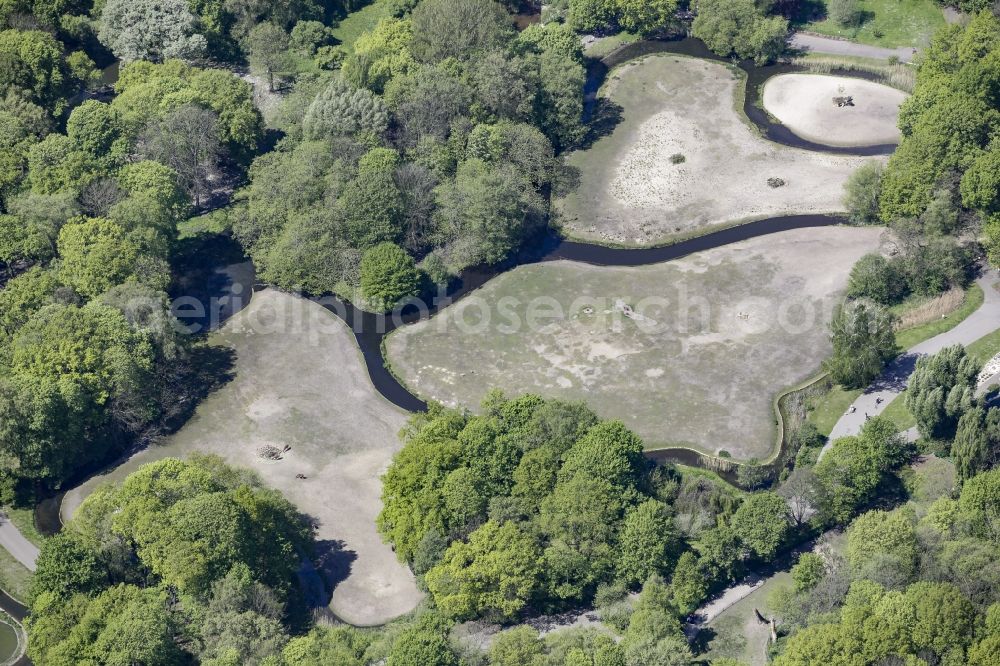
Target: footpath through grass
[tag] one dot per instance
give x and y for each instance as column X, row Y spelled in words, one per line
column 24, row 521
column 886, row 23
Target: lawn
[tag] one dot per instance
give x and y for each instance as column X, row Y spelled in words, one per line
column 897, row 412
column 737, row 634
column 688, row 352
column 826, row 410
column 985, row 347
column 887, row 23
column 24, row 520
column 910, row 337
column 602, row 46
column 14, row 577
column 359, row 22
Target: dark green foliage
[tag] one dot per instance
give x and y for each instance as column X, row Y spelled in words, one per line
column 388, row 275
column 863, row 341
column 977, row 442
column 458, row 28
column 941, row 389
column 861, row 193
column 739, row 27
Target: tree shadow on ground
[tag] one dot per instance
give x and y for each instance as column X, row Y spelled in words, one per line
column 331, row 565
column 604, row 118
column 807, row 11
column 206, row 369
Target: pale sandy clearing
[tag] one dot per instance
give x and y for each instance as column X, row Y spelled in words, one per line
column 804, row 103
column 300, row 380
column 712, row 338
column 628, row 192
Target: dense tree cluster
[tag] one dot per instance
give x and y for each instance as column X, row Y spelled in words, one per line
column 741, row 28
column 535, row 504
column 181, row 560
column 921, row 590
column 864, row 338
column 437, row 136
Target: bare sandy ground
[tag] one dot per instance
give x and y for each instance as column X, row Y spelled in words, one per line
column 627, row 191
column 804, row 103
column 689, row 352
column 300, row 381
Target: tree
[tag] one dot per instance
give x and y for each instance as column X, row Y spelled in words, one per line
column 808, row 571
column 388, row 275
column 876, row 278
column 863, row 338
column 186, row 140
column 381, row 55
column 32, row 68
column 688, row 585
column 458, row 28
column 516, row 647
column 738, row 27
column 762, row 523
column 340, row 109
column 846, row 13
column 882, row 533
column 649, row 541
column 268, row 47
column 492, row 575
column 977, row 442
column 424, row 643
column 154, row 30
column 97, row 254
column 980, row 504
column 941, row 389
column 66, row 566
column 645, row 17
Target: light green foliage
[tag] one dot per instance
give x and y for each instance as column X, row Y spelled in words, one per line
column 154, row 30
column 941, row 389
column 864, row 339
column 688, row 585
column 980, row 185
column 457, row 28
column 210, row 538
column 424, row 643
column 342, row 645
column 631, row 15
column 808, row 571
column 32, row 66
column 654, row 634
column 882, row 534
column 342, row 109
column 22, row 296
column 93, row 129
column 948, row 122
column 649, row 542
column 861, row 193
column 738, row 27
column 72, row 373
column 980, row 504
column 762, row 523
column 854, row 466
column 493, row 575
column 267, row 44
column 573, row 484
column 518, row 647
column 381, row 55
column 876, row 278
column 977, row 442
column 97, row 254
column 388, row 275
column 845, row 12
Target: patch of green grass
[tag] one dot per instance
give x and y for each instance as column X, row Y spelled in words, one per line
column 215, row 222
column 985, row 347
column 913, row 336
column 888, row 23
column 826, row 410
column 24, row 520
column 603, row 46
column 737, row 633
column 897, row 412
column 359, row 22
column 14, row 577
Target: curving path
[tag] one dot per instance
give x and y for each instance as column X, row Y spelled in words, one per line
column 819, row 44
column 893, row 380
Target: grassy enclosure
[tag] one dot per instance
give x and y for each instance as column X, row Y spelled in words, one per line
column 888, row 23
column 625, row 189
column 690, row 352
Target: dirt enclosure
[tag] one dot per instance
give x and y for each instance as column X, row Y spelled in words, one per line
column 300, row 382
column 683, row 159
column 805, row 104
column 689, row 352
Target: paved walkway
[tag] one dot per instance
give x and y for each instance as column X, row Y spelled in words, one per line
column 11, row 538
column 818, row 44
column 877, row 397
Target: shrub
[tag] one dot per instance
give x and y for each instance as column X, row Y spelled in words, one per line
column 677, row 158
column 876, row 278
column 388, row 275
